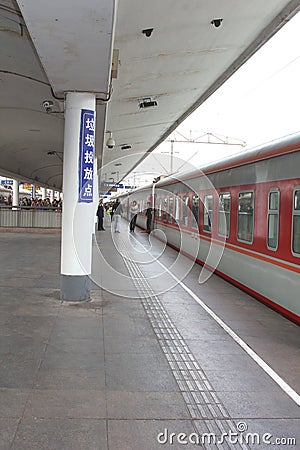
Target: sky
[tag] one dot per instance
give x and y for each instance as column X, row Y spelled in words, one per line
column 259, row 103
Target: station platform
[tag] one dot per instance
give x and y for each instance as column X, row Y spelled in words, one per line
column 154, row 360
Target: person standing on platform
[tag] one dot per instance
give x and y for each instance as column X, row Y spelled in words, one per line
column 117, row 211
column 100, row 215
column 149, row 217
column 134, row 209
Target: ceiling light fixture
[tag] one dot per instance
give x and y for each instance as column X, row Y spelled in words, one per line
column 147, row 32
column 216, row 22
column 147, row 102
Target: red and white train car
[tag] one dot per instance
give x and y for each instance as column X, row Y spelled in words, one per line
column 259, row 192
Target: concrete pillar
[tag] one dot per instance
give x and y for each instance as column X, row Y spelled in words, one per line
column 78, row 207
column 51, row 195
column 43, row 191
column 15, row 199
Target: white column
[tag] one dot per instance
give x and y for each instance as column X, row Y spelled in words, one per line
column 77, row 217
column 43, row 190
column 51, row 195
column 15, row 199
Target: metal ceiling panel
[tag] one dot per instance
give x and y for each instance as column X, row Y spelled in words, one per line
column 73, row 39
column 53, row 47
column 183, row 62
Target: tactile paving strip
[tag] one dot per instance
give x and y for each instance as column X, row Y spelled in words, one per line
column 206, row 409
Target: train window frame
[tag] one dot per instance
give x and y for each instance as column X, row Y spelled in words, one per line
column 207, row 213
column 141, row 206
column 229, row 227
column 171, row 208
column 165, row 208
column 177, row 209
column 246, row 191
column 158, row 208
column 295, row 212
column 273, row 212
column 195, row 226
column 184, row 197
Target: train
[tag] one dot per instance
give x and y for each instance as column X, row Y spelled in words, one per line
column 248, row 206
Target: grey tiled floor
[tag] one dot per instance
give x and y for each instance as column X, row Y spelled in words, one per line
column 95, row 376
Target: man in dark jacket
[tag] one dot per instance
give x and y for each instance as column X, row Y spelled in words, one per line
column 149, row 217
column 100, row 215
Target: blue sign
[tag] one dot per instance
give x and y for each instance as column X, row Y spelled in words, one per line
column 7, row 182
column 112, row 185
column 86, row 156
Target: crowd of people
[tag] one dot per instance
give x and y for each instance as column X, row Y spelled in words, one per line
column 5, row 200
column 33, row 203
column 113, row 209
column 38, row 203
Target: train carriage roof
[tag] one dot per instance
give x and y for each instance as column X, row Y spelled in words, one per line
column 284, row 145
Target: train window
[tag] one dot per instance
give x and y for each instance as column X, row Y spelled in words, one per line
column 246, row 216
column 158, row 208
column 195, row 211
column 224, row 214
column 185, row 211
column 296, row 223
column 171, row 208
column 207, row 212
column 165, row 209
column 273, row 219
column 141, row 205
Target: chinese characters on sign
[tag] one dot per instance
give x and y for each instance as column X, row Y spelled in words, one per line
column 86, row 156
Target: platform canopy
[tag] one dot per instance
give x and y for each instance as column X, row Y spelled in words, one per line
column 151, row 63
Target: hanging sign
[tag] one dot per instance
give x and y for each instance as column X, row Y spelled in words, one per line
column 86, row 156
column 7, row 182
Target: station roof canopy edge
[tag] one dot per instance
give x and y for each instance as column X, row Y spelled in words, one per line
column 150, row 64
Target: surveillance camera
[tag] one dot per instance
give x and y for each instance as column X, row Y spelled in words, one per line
column 47, row 105
column 148, row 31
column 216, row 22
column 110, row 143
